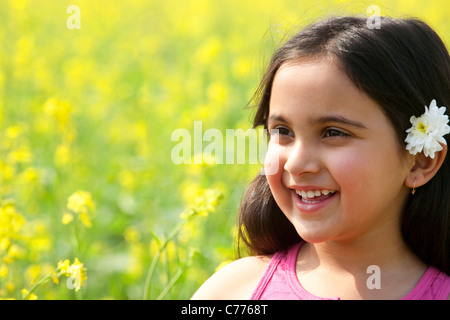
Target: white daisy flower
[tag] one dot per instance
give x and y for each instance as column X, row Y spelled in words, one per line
column 428, row 131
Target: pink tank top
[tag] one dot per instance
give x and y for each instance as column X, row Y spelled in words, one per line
column 280, row 282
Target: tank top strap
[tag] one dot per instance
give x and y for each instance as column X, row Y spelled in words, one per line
column 434, row 285
column 267, row 275
column 279, row 280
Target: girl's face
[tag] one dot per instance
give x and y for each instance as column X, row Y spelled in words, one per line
column 340, row 170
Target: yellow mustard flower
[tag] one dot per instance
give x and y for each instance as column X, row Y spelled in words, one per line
column 11, row 223
column 59, row 110
column 63, row 266
column 62, row 155
column 85, row 219
column 61, row 269
column 67, row 218
column 3, row 271
column 132, row 234
column 21, row 154
column 203, row 203
column 81, row 203
column 77, row 275
column 28, row 296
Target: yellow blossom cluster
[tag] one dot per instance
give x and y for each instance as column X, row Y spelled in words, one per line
column 11, row 223
column 81, row 203
column 17, row 234
column 202, row 203
column 75, row 271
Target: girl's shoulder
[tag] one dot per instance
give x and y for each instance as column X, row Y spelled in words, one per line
column 236, row 281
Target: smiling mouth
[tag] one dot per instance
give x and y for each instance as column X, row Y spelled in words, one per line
column 314, row 196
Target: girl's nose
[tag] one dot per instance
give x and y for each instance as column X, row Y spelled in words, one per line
column 302, row 158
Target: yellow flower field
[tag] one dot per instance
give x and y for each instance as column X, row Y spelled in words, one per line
column 91, row 204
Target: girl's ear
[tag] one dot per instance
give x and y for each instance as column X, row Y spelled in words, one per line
column 425, row 168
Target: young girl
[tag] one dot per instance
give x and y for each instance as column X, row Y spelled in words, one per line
column 356, row 205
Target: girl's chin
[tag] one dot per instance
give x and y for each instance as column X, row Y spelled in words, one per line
column 314, row 238
column 313, row 233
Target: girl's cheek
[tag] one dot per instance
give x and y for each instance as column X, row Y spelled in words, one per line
column 273, row 165
column 343, row 163
column 351, row 170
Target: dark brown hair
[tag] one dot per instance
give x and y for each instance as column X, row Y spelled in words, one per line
column 403, row 66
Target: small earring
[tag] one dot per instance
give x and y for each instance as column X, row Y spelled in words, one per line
column 414, row 187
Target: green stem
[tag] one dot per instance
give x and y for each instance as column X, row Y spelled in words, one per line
column 150, row 275
column 75, row 241
column 170, row 284
column 38, row 284
column 176, row 276
column 175, row 231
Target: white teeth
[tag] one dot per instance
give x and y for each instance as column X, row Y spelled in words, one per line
column 313, row 193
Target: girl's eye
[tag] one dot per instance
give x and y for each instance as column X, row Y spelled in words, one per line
column 331, row 133
column 281, row 131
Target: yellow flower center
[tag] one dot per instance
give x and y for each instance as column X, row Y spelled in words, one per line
column 422, row 128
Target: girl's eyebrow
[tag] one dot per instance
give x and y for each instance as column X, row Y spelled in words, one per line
column 276, row 117
column 322, row 120
column 339, row 119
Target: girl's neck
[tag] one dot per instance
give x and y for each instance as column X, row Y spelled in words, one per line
column 346, row 265
column 351, row 256
column 383, row 246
